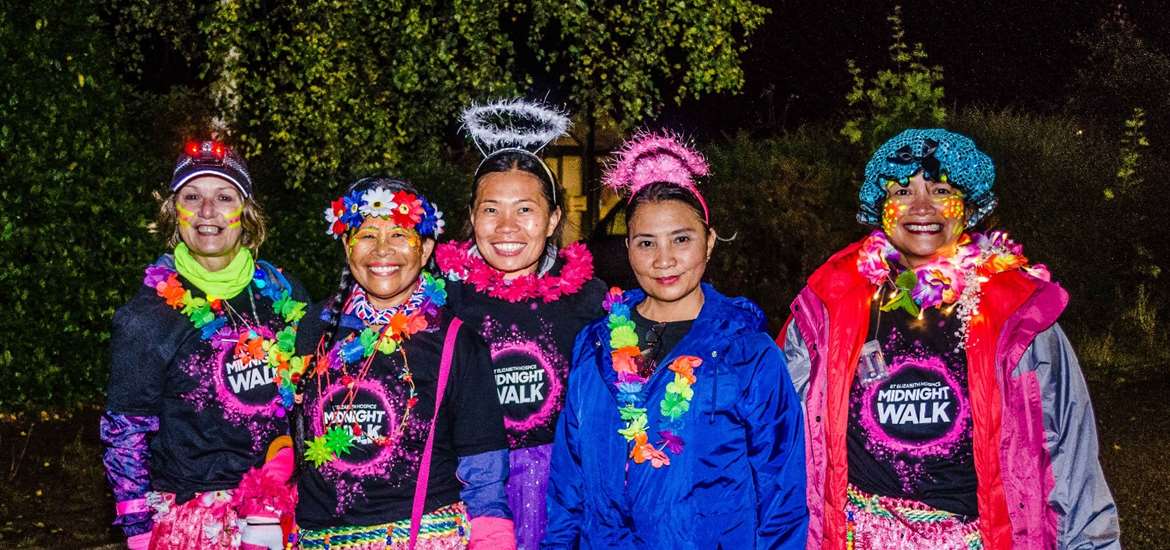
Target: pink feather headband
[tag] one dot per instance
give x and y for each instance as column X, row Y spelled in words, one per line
column 657, row 157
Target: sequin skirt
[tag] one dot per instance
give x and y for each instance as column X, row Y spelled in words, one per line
column 875, row 522
column 447, row 528
column 210, row 520
column 527, row 487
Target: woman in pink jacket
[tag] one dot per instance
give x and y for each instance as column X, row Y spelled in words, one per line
column 944, row 405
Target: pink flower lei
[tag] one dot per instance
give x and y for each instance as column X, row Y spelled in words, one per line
column 458, row 263
column 954, row 279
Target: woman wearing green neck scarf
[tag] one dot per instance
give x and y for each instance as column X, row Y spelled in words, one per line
column 201, row 372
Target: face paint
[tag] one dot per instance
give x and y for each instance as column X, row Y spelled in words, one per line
column 412, row 237
column 385, row 259
column 185, row 216
column 353, row 238
column 953, row 208
column 233, row 217
column 892, row 213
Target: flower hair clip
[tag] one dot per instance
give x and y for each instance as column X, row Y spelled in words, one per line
column 403, row 208
column 657, row 158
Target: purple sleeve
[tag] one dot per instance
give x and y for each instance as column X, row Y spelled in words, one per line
column 127, row 458
column 483, row 476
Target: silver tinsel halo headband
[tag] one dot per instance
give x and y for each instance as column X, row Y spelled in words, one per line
column 514, row 126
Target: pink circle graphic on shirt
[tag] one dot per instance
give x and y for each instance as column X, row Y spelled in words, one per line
column 551, row 405
column 368, row 392
column 929, row 447
column 244, row 378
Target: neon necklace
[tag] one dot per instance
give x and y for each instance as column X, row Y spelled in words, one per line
column 626, row 356
column 359, row 349
column 251, row 341
column 458, row 263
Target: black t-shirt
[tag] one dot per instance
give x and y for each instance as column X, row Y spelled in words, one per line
column 531, row 345
column 910, row 421
column 375, row 483
column 656, row 339
column 217, row 413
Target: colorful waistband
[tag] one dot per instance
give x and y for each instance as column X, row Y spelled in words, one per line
column 449, row 522
column 881, row 520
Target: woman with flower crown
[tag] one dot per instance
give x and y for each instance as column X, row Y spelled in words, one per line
column 399, row 435
column 944, row 406
column 199, row 374
column 525, row 296
column 681, row 428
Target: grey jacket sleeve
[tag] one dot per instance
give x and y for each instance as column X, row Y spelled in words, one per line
column 1081, row 498
column 799, row 361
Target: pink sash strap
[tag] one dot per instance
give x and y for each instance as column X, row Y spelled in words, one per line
column 424, row 467
column 131, row 506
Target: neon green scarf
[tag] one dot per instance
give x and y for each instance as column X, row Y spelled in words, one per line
column 225, row 283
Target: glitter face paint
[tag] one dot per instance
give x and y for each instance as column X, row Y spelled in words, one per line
column 412, row 236
column 953, row 208
column 892, row 211
column 385, row 259
column 922, row 217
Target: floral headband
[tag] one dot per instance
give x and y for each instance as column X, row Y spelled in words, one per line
column 403, row 208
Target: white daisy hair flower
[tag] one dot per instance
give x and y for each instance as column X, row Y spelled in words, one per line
column 377, row 203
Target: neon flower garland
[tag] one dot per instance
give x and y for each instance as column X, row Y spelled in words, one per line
column 457, row 262
column 626, row 355
column 250, row 343
column 361, row 348
column 405, row 209
column 953, row 279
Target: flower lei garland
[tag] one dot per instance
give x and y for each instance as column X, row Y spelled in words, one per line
column 250, row 343
column 626, row 356
column 403, row 208
column 457, row 263
column 954, row 279
column 411, row 318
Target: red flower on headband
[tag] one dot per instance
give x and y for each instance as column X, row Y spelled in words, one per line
column 407, row 210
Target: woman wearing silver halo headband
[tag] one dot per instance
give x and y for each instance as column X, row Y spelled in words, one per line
column 525, row 296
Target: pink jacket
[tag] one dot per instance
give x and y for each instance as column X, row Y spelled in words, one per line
column 1034, row 437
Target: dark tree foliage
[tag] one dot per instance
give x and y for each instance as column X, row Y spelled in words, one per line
column 74, row 202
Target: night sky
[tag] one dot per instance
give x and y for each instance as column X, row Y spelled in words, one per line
column 996, row 53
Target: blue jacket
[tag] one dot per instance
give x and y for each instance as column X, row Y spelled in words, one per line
column 739, row 482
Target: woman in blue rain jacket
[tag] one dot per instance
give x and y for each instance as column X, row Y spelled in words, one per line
column 681, row 427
